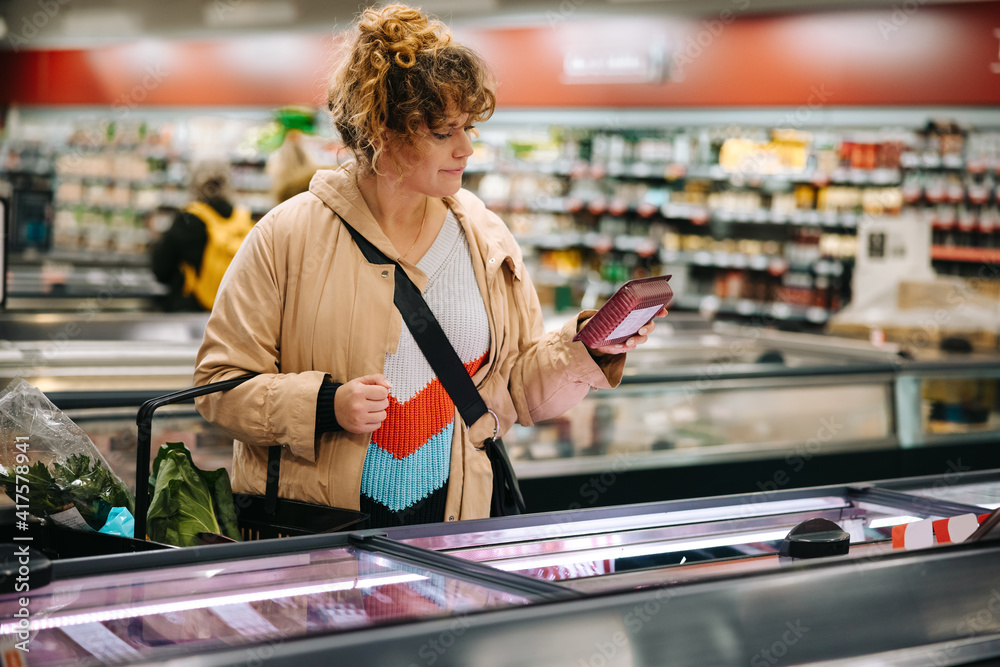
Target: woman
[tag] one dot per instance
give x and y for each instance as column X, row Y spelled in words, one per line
column 192, row 255
column 342, row 387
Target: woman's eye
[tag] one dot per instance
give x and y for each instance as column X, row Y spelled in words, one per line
column 441, row 136
column 471, row 129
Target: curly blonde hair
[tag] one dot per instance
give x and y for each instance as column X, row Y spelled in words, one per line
column 402, row 71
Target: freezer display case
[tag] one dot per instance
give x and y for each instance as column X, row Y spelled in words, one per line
column 91, row 357
column 463, row 594
column 195, row 605
column 700, row 397
column 714, row 393
column 99, row 367
column 974, row 489
column 948, row 398
column 657, row 544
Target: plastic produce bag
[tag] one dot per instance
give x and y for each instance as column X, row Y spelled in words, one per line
column 120, row 522
column 50, row 465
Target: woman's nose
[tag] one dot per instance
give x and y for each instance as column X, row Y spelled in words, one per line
column 464, row 147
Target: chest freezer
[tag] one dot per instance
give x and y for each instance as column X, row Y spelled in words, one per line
column 661, row 544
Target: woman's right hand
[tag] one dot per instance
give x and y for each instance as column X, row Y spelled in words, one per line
column 361, row 404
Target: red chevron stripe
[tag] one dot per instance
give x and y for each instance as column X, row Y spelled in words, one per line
column 409, row 425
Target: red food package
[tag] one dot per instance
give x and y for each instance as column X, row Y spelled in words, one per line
column 633, row 305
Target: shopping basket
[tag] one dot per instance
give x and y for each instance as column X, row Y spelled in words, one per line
column 256, row 517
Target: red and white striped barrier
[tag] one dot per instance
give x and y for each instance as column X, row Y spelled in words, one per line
column 925, row 533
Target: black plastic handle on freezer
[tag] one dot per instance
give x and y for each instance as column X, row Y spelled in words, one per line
column 144, row 420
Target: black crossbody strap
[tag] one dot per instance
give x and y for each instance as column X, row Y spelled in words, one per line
column 429, row 336
column 273, row 471
column 450, row 370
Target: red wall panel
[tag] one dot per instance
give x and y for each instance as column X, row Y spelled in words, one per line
column 933, row 55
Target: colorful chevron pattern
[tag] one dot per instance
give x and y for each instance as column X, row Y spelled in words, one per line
column 409, row 456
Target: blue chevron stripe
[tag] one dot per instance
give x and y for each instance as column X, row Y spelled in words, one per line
column 399, row 483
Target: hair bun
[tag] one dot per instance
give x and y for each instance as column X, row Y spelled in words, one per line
column 398, row 33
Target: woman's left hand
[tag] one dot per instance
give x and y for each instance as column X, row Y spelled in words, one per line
column 634, row 341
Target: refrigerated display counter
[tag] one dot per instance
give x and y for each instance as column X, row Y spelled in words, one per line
column 462, row 593
column 702, row 407
column 719, row 424
column 644, row 545
column 93, row 358
column 975, row 489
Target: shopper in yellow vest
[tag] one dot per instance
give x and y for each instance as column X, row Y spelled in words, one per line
column 193, row 255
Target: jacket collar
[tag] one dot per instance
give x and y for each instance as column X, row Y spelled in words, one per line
column 490, row 235
column 338, row 189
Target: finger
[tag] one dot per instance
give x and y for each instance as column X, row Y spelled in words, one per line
column 373, row 392
column 377, row 406
column 373, row 421
column 375, row 380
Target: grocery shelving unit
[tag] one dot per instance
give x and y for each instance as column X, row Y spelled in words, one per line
column 595, row 196
column 596, row 199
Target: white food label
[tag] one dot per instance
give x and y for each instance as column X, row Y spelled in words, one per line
column 245, row 619
column 101, row 643
column 633, row 321
column 71, row 518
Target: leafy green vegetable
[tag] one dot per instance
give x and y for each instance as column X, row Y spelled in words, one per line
column 222, row 501
column 188, row 501
column 44, row 495
column 79, row 481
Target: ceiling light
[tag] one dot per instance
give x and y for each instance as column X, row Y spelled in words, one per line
column 101, row 22
column 249, row 13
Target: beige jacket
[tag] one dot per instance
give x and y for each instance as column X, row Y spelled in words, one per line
column 300, row 302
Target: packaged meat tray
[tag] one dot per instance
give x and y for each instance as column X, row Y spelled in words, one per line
column 633, row 305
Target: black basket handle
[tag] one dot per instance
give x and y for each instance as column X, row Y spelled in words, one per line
column 144, row 420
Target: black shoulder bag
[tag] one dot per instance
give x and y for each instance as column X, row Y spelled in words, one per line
column 440, row 354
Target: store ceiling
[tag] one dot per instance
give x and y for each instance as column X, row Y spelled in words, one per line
column 66, row 24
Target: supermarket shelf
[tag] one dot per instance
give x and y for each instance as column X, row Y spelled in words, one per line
column 600, row 242
column 671, row 171
column 81, row 257
column 749, row 308
column 696, row 214
column 777, row 264
column 965, row 254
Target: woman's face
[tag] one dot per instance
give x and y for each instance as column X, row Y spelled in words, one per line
column 434, row 166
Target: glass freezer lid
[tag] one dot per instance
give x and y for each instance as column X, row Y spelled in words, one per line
column 983, row 494
column 150, row 614
column 664, row 539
